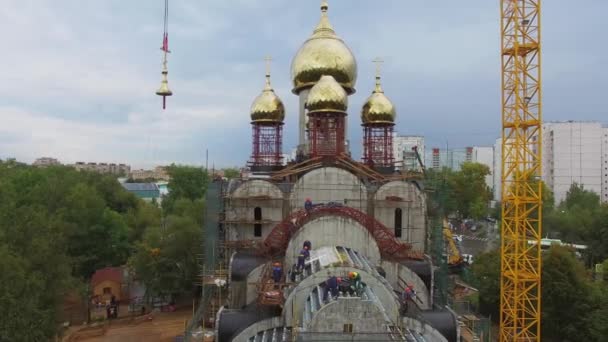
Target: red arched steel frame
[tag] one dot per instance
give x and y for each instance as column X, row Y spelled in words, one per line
column 390, row 247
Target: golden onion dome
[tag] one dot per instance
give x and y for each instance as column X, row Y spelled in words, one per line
column 267, row 107
column 378, row 109
column 324, row 53
column 327, row 96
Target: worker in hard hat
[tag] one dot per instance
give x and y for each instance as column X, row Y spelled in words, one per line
column 277, row 273
column 304, row 254
column 331, row 285
column 355, row 283
column 307, row 244
column 409, row 294
column 308, row 205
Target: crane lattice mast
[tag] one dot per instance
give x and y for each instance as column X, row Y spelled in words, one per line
column 520, row 286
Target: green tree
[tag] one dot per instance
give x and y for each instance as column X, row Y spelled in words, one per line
column 486, row 277
column 232, row 173
column 469, row 190
column 139, row 219
column 186, row 182
column 166, row 260
column 581, row 219
column 195, row 210
column 598, row 317
column 566, row 297
column 58, row 225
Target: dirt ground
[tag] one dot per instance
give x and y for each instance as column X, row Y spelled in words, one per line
column 164, row 327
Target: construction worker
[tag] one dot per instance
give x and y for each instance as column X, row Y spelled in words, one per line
column 409, row 294
column 355, row 283
column 331, row 285
column 304, row 254
column 277, row 273
column 307, row 244
column 308, row 205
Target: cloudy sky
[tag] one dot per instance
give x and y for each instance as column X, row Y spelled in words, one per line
column 79, row 76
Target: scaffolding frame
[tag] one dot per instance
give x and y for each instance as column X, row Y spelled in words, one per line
column 326, row 134
column 378, row 145
column 267, row 144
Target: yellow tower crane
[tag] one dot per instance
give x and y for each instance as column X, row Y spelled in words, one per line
column 520, row 285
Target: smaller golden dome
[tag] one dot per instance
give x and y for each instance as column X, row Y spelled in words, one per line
column 378, row 109
column 327, row 96
column 267, row 107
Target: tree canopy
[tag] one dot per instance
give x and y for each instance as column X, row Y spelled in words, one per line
column 466, row 191
column 57, row 226
column 232, row 173
column 573, row 308
column 580, row 218
column 186, row 182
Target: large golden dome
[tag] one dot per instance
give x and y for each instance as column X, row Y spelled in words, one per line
column 327, row 96
column 267, row 107
column 378, row 109
column 324, row 53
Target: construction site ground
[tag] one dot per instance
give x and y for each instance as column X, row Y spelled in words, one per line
column 162, row 327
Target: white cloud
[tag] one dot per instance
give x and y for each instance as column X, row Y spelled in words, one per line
column 79, row 77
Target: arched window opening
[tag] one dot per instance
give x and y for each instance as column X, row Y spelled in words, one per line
column 398, row 222
column 257, row 227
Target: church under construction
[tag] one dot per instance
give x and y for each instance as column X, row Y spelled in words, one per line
column 362, row 218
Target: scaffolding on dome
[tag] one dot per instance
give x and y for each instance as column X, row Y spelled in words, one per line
column 326, row 134
column 378, row 145
column 267, row 144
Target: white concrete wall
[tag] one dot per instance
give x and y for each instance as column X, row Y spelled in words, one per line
column 413, row 208
column 333, row 231
column 329, row 184
column 254, row 329
column 394, row 271
column 429, row 333
column 294, row 305
column 254, row 276
column 241, row 208
column 365, row 316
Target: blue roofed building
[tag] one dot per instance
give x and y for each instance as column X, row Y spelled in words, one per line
column 146, row 191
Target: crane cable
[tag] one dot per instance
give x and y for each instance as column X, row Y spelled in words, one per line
column 165, row 47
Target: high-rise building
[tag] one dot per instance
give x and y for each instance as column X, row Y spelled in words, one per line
column 485, row 155
column 497, row 170
column 112, row 168
column 572, row 153
column 451, row 158
column 45, row 161
column 405, row 157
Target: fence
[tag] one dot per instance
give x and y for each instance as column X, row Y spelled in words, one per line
column 478, row 325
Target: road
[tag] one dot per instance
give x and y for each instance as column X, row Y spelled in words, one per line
column 163, row 328
column 483, row 240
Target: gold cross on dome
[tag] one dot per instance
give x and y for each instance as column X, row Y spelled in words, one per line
column 268, row 60
column 378, row 61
